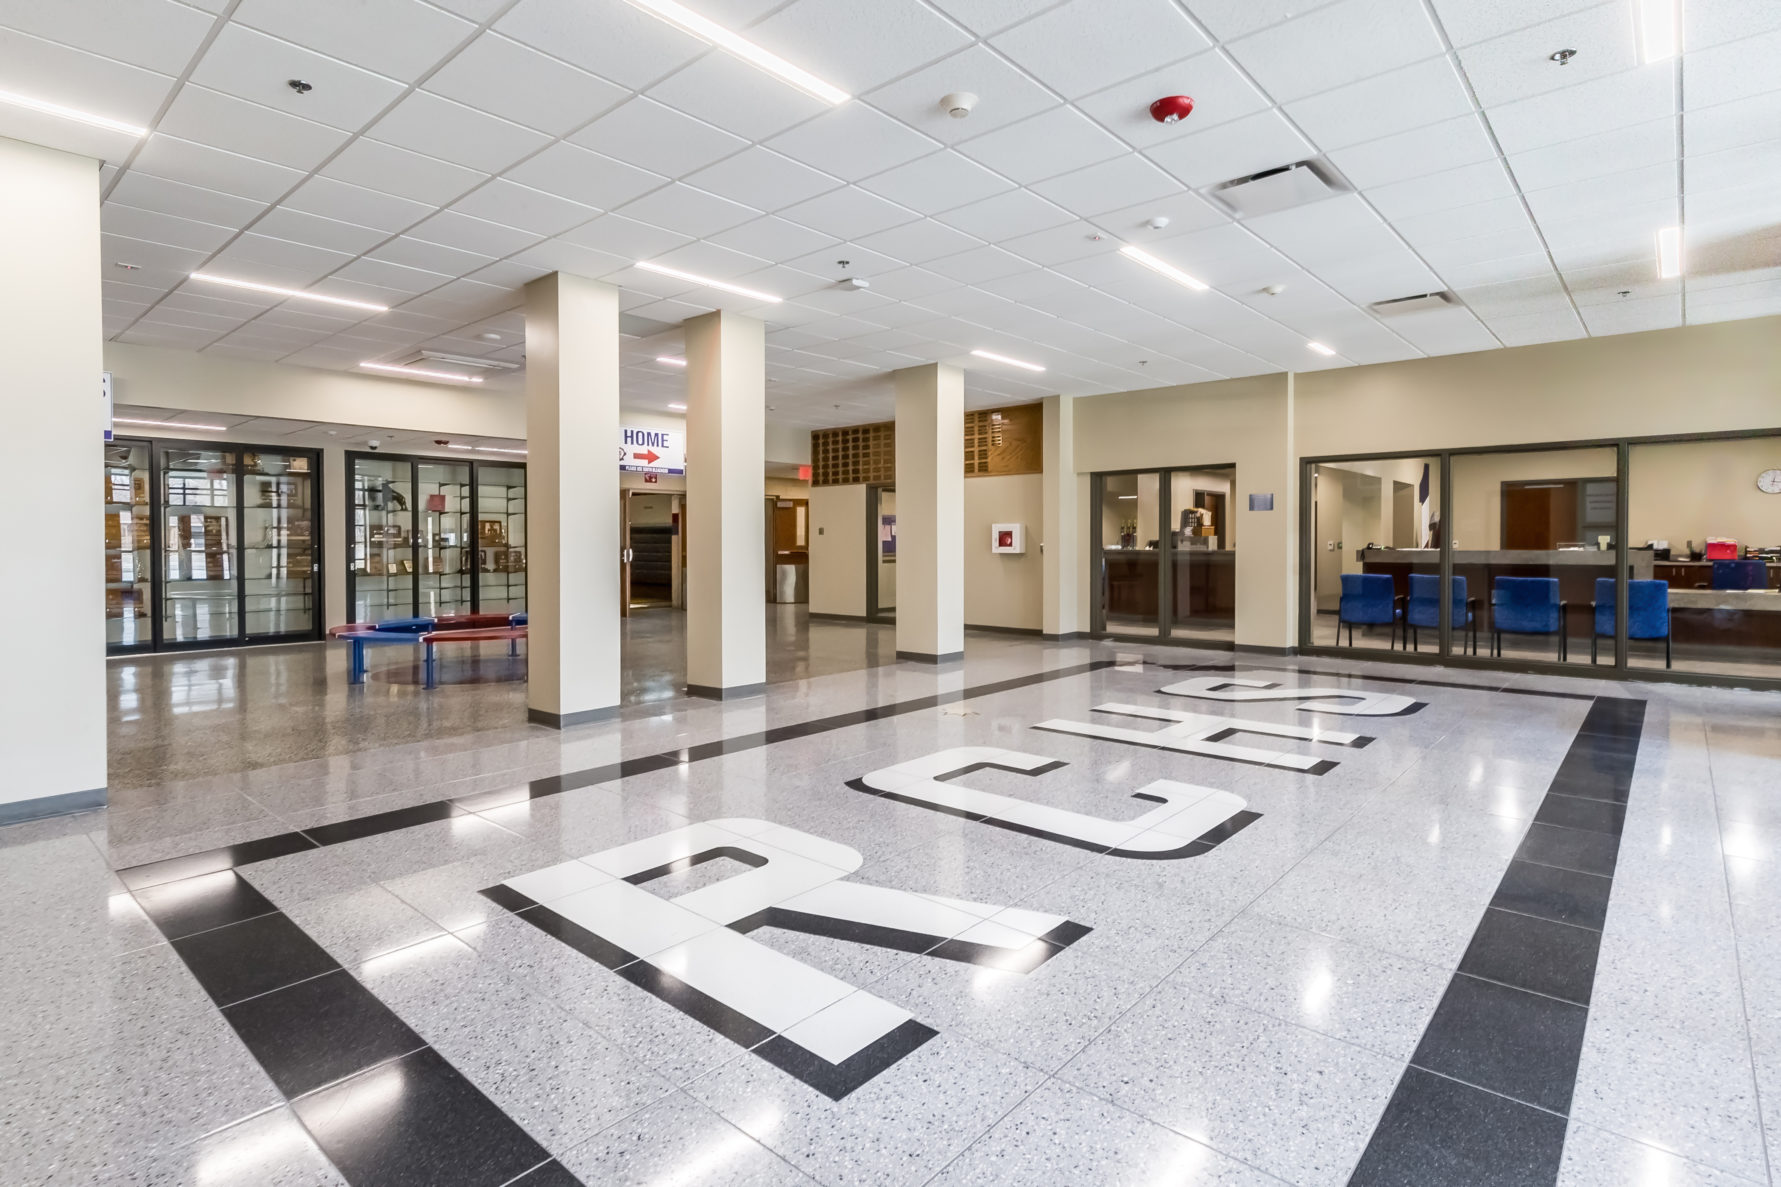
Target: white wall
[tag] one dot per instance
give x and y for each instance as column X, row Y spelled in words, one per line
column 52, row 689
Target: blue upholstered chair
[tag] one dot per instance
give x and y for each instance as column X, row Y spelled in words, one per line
column 1526, row 606
column 1369, row 600
column 1740, row 575
column 1423, row 609
column 1647, row 613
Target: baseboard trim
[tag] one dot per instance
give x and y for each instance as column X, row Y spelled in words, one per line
column 1258, row 649
column 1032, row 632
column 733, row 693
column 838, row 617
column 45, row 806
column 923, row 657
column 562, row 721
column 1063, row 638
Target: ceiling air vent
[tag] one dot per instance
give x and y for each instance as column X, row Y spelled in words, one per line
column 1274, row 189
column 422, row 357
column 1417, row 304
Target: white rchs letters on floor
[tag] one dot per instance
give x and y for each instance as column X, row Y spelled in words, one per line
column 1346, row 701
column 1200, row 733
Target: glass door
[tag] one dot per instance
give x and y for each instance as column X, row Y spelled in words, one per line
column 1202, row 547
column 200, row 558
column 881, row 545
column 500, row 538
column 128, row 551
column 278, row 559
column 1129, row 553
column 441, row 544
column 382, row 568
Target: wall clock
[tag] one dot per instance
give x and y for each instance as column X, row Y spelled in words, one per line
column 1769, row 482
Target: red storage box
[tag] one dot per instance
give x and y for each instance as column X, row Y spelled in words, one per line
column 1721, row 550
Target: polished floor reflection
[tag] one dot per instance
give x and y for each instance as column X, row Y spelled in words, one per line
column 1062, row 913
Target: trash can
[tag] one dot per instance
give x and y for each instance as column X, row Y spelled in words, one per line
column 791, row 583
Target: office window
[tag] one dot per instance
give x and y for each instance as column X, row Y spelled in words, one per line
column 1706, row 543
column 1375, row 545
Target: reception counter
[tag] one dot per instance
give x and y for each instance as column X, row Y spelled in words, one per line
column 1205, row 585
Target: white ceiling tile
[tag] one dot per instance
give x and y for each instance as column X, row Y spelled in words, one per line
column 235, row 125
column 1736, row 70
column 276, row 261
column 1518, row 65
column 609, row 38
column 919, row 242
column 1088, row 45
column 733, row 95
column 1497, row 271
column 652, row 136
column 398, row 38
column 396, row 277
column 82, row 140
column 853, row 141
column 977, row 265
column 1221, row 93
column 374, row 165
column 1005, row 216
column 1434, row 149
column 347, row 203
column 1631, row 97
column 1111, row 185
column 910, row 284
column 1759, row 304
column 85, row 81
column 1733, row 125
column 1073, row 241
column 158, row 35
column 1237, row 149
column 155, row 227
column 1385, row 278
column 513, row 205
column 504, row 78
column 417, row 254
column 1470, row 21
column 1463, row 222
column 858, row 44
column 1592, row 156
column 1330, row 231
column 1604, row 195
column 1005, row 95
column 1707, row 25
column 256, row 66
column 1186, row 212
column 1541, row 294
column 147, row 192
column 849, row 213
column 1444, row 331
column 1755, row 165
column 584, row 176
column 936, row 182
column 862, row 261
column 559, row 255
column 690, row 211
column 1230, row 19
column 626, row 237
column 1633, row 315
column 762, row 178
column 286, row 222
column 214, row 169
column 1442, row 191
column 1396, row 101
column 1499, row 245
column 1059, row 141
column 1604, row 285
column 448, row 131
column 985, row 17
column 477, row 235
column 1336, row 45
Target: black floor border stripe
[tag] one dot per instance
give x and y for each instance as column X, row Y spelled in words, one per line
column 317, row 1068
column 1486, row 1097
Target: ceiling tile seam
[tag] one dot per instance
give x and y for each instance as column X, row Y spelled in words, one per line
column 1681, row 83
column 1465, row 80
column 209, row 38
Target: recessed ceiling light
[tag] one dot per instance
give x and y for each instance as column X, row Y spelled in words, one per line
column 298, row 294
column 677, row 407
column 1320, row 348
column 669, row 360
column 725, row 285
column 688, row 21
column 69, row 113
column 1659, row 36
column 1669, row 252
column 483, row 448
column 168, row 424
column 1002, row 358
column 1156, row 265
column 420, row 373
column 489, row 336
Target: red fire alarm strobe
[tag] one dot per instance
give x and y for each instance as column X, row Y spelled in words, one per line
column 1171, row 108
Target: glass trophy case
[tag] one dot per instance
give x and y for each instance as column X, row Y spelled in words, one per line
column 434, row 536
column 209, row 544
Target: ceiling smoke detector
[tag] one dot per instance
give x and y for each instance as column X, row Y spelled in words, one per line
column 958, row 104
column 855, row 283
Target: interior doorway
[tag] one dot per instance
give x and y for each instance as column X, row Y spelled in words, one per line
column 653, row 552
column 881, row 553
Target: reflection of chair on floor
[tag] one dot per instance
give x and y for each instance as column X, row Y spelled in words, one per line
column 1368, row 599
column 1424, row 609
column 1526, row 606
column 1739, row 575
column 1647, row 613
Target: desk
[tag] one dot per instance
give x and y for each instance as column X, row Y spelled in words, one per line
column 1688, row 574
column 1205, row 584
column 1576, row 570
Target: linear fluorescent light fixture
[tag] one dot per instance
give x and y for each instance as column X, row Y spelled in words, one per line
column 688, row 21
column 1002, row 358
column 484, row 448
column 168, row 424
column 298, row 294
column 677, row 407
column 1320, row 348
column 670, row 361
column 1669, row 252
column 69, row 113
column 1156, row 265
column 726, row 286
column 1658, row 28
column 421, row 373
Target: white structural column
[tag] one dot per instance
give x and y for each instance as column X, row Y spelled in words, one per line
column 931, row 513
column 1060, row 536
column 726, row 447
column 52, row 688
column 571, row 500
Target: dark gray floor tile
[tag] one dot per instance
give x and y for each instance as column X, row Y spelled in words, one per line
column 1506, row 1040
column 1556, row 959
column 1439, row 1133
column 1564, row 896
column 198, row 904
column 1570, row 849
column 1569, row 811
column 246, row 959
column 318, row 1031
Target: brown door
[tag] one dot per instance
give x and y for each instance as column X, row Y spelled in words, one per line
column 1539, row 515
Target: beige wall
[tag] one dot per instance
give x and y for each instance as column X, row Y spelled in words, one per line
column 1003, row 589
column 1477, row 518
column 838, row 550
column 1689, row 492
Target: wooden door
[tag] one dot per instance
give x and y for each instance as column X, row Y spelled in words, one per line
column 1538, row 515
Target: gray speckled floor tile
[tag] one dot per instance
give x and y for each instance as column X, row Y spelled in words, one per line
column 56, row 1010
column 269, row 1150
column 679, row 1141
column 1063, row 1135
column 1596, row 1158
column 1146, row 929
column 356, row 925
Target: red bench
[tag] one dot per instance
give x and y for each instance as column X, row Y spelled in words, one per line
column 513, row 634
